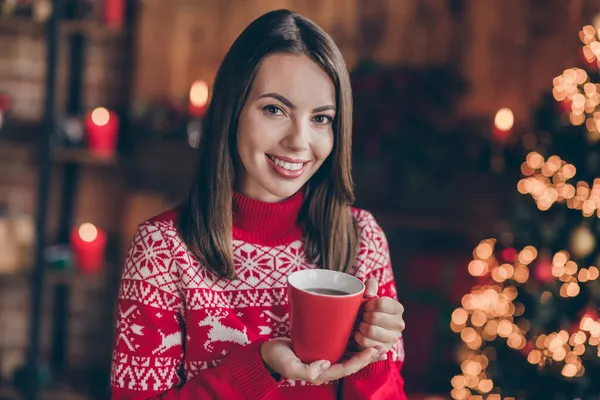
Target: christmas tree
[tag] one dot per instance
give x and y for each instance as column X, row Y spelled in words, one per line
column 530, row 328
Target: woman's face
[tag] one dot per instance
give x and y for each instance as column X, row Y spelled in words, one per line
column 285, row 130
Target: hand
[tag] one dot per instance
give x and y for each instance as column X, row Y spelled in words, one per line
column 382, row 321
column 279, row 357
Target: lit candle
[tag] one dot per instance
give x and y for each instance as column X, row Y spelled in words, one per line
column 89, row 245
column 102, row 129
column 503, row 123
column 114, row 13
column 198, row 99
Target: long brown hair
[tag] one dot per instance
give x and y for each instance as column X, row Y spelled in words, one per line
column 205, row 219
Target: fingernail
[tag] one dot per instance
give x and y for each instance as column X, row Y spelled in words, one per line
column 324, row 365
column 374, row 352
column 379, row 350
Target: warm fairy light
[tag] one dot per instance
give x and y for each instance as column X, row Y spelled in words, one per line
column 575, row 89
column 569, row 370
column 548, row 184
column 459, row 316
column 570, row 267
column 494, row 312
column 572, row 289
column 491, row 312
column 478, row 318
column 88, row 232
column 527, row 255
column 579, row 338
column 534, row 357
column 478, row 268
column 100, row 116
column 483, row 250
column 468, row 335
column 590, row 35
column 560, row 258
column 199, row 94
column 485, row 385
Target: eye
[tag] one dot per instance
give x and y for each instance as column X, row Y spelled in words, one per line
column 273, row 110
column 322, row 119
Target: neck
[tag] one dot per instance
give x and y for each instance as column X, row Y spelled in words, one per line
column 269, row 224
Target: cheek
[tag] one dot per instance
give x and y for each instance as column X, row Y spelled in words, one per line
column 253, row 135
column 247, row 140
column 323, row 145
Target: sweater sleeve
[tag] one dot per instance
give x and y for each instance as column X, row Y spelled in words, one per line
column 381, row 380
column 149, row 351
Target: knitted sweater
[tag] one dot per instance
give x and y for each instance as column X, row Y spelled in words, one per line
column 185, row 333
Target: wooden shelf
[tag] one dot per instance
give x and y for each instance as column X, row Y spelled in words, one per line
column 90, row 28
column 21, row 25
column 83, row 157
column 28, row 26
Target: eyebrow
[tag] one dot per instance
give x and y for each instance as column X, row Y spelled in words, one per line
column 289, row 104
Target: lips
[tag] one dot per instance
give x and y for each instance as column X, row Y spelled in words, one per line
column 287, row 167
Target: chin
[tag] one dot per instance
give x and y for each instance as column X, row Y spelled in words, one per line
column 283, row 190
column 284, row 193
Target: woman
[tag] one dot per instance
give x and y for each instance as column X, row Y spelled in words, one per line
column 203, row 312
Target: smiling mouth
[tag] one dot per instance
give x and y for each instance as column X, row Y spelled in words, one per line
column 287, row 165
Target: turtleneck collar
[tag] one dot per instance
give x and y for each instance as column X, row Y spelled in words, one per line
column 269, row 224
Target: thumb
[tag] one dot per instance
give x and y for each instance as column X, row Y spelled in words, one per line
column 316, row 368
column 371, row 287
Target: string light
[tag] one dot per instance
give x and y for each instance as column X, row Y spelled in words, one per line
column 490, row 312
column 591, row 44
column 574, row 88
column 547, row 181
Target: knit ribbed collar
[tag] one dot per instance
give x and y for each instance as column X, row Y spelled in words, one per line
column 269, row 224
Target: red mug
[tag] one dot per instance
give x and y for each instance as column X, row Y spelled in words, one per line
column 324, row 305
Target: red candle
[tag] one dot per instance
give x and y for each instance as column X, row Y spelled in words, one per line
column 503, row 123
column 198, row 99
column 114, row 13
column 102, row 129
column 89, row 245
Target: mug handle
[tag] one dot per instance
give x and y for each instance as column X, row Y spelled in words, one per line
column 366, row 299
column 361, row 310
column 352, row 343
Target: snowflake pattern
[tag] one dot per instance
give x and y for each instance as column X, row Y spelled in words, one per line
column 127, row 328
column 163, row 283
column 277, row 325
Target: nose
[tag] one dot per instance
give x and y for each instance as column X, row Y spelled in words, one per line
column 297, row 136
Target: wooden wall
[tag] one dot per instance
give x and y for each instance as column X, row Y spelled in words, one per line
column 509, row 50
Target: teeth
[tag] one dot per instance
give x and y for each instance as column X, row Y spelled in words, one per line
column 286, row 165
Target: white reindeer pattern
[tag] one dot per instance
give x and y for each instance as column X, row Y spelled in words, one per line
column 221, row 333
column 168, row 341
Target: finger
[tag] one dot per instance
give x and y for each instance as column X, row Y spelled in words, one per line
column 378, row 318
column 377, row 333
column 386, row 321
column 305, row 372
column 348, row 367
column 385, row 305
column 365, row 342
column 371, row 287
column 351, row 354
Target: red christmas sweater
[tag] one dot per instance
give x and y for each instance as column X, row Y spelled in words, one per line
column 185, row 333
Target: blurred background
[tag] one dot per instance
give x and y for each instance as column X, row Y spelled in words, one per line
column 471, row 120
